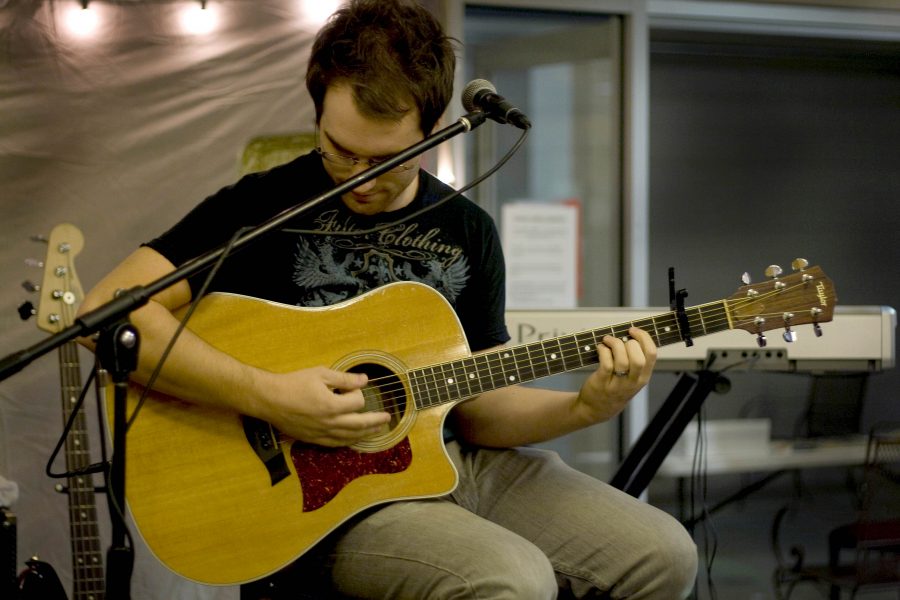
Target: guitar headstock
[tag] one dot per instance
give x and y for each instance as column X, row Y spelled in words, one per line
column 806, row 296
column 60, row 291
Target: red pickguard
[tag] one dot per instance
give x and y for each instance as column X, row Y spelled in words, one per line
column 324, row 472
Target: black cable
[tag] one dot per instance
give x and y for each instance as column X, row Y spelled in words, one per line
column 67, row 428
column 103, row 466
column 454, row 194
column 699, row 507
column 181, row 325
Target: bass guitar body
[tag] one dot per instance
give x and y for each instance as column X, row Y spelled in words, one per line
column 40, row 582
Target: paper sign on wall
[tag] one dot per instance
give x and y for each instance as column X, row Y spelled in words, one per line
column 540, row 242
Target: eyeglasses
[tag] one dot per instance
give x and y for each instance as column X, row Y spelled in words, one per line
column 347, row 162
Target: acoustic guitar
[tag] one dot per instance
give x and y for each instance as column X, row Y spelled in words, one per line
column 225, row 499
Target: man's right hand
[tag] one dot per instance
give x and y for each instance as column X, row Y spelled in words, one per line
column 318, row 405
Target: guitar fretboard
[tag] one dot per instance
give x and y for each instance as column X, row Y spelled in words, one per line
column 87, row 555
column 473, row 375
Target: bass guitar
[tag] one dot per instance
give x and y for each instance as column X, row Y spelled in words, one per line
column 60, row 295
column 225, row 499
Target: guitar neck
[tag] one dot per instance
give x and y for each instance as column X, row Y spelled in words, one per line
column 468, row 377
column 87, row 555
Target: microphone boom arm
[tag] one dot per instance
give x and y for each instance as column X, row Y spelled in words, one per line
column 136, row 297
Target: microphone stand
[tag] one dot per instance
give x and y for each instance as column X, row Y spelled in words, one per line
column 118, row 342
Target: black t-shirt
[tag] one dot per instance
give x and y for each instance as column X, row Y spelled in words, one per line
column 454, row 248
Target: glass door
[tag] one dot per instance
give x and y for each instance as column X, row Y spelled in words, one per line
column 559, row 201
column 563, row 70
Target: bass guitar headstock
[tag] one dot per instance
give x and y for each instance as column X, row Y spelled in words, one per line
column 60, row 291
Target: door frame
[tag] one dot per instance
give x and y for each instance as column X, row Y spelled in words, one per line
column 635, row 148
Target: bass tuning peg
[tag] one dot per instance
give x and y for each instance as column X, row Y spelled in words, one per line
column 26, row 310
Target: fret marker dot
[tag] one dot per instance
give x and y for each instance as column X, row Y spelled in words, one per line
column 471, row 375
column 667, row 329
column 587, row 348
column 512, row 377
column 553, row 356
column 506, row 355
column 450, row 380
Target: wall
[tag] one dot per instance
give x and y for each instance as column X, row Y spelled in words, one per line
column 764, row 149
column 119, row 134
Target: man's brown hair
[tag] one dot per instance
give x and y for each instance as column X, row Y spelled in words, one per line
column 393, row 54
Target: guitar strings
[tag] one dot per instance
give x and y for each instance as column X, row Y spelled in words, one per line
column 82, row 509
column 87, row 562
column 570, row 350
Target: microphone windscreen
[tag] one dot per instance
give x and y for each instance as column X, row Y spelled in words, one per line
column 473, row 88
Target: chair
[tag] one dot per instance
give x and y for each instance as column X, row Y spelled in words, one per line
column 864, row 553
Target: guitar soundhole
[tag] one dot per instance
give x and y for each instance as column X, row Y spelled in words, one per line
column 384, row 392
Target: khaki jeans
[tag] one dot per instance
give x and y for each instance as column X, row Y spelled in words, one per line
column 521, row 525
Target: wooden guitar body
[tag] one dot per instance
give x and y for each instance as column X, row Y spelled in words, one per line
column 200, row 493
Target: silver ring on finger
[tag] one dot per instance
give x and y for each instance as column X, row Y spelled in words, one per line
column 620, row 373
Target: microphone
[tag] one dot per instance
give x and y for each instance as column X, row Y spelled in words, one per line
column 480, row 94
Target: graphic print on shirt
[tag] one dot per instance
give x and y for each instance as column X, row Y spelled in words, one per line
column 329, row 269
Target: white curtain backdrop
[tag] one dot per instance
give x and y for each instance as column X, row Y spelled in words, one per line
column 119, row 133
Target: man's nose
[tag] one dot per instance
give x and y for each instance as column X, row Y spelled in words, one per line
column 363, row 187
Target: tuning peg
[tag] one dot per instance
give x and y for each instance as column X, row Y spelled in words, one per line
column 800, row 264
column 789, row 334
column 747, row 280
column 31, row 287
column 26, row 311
column 761, row 340
column 38, row 238
column 772, row 272
column 33, row 262
column 817, row 329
